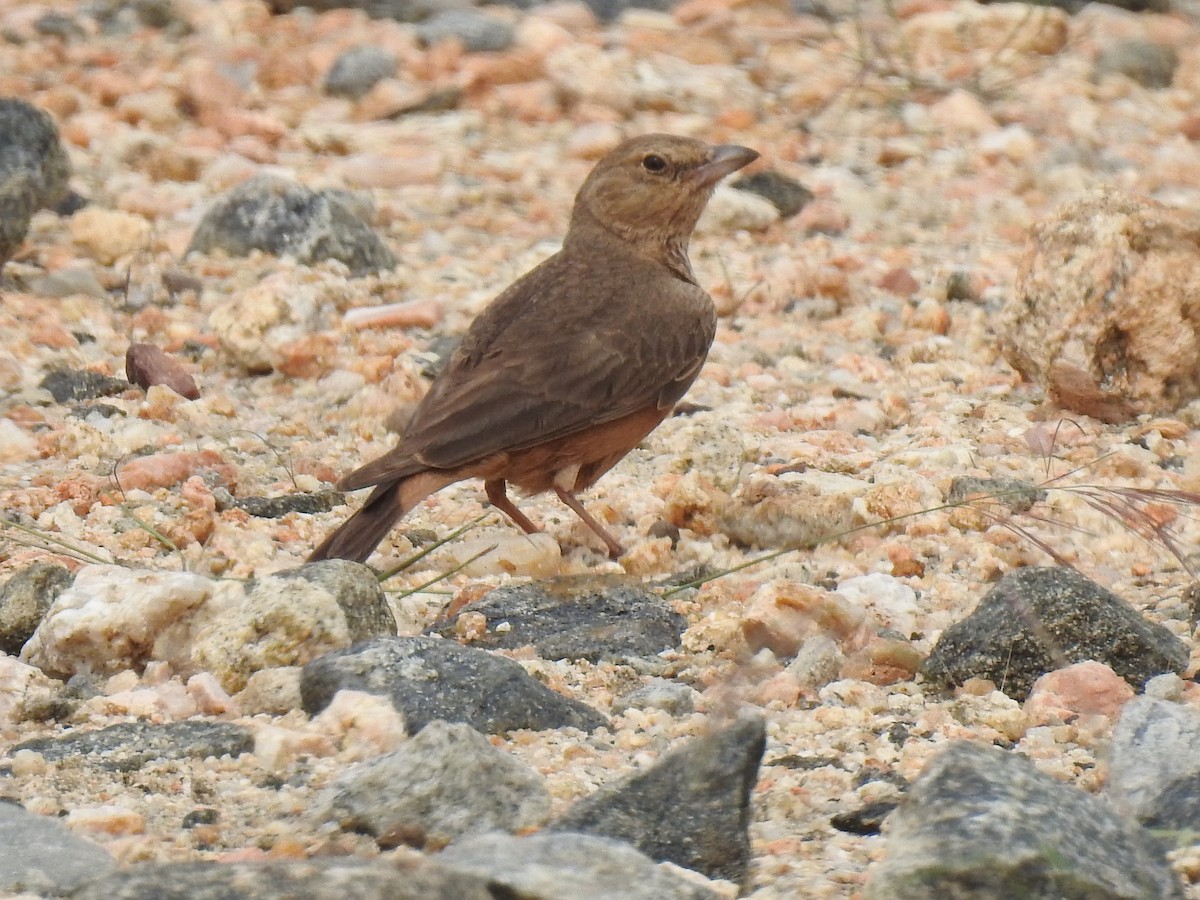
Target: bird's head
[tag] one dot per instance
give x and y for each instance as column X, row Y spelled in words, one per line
column 650, row 190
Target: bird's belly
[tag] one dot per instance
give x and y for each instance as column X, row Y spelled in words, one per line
column 586, row 454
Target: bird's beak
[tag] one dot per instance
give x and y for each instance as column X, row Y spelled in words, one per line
column 723, row 160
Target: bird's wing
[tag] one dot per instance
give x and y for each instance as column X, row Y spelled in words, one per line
column 545, row 365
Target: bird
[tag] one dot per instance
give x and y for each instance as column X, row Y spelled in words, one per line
column 572, row 365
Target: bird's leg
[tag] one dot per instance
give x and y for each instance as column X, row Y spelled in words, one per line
column 497, row 495
column 569, row 498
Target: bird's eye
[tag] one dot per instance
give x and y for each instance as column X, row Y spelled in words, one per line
column 654, row 163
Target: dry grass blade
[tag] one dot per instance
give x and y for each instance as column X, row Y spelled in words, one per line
column 51, row 544
column 1135, row 509
column 448, row 573
column 1131, row 507
column 441, row 542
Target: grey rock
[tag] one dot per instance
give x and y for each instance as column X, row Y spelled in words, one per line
column 73, row 385
column 29, row 144
column 40, row 855
column 1149, row 63
column 17, row 206
column 55, row 24
column 548, row 866
column 315, row 879
column 355, row 589
column 1012, row 493
column 786, row 194
column 400, row 10
column 117, row 17
column 590, row 617
column 278, row 507
column 691, row 808
column 1036, row 620
column 278, row 216
column 34, row 170
column 477, row 31
column 983, row 824
column 24, row 601
column 75, row 278
column 1153, row 766
column 605, row 10
column 865, row 819
column 445, row 783
column 429, row 678
column 659, row 693
column 358, row 70
column 129, row 746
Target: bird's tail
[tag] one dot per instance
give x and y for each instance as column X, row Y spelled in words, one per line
column 360, row 534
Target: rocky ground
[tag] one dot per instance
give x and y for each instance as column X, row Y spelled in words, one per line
column 865, row 538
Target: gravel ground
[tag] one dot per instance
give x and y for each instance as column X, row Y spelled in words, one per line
column 855, row 372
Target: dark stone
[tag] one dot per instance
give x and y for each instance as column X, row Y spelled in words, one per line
column 605, row 10
column 399, row 10
column 691, row 808
column 358, row 70
column 786, row 194
column 805, row 763
column 866, row 819
column 17, row 206
column 24, row 601
column 73, row 385
column 1036, row 620
column 962, row 287
column 434, row 100
column 284, row 218
column 29, row 144
column 315, row 879
column 278, row 507
column 589, row 617
column 1013, row 494
column 475, row 30
column 1149, row 63
column 130, row 746
column 429, row 678
column 985, row 824
column 563, row 865
column 355, row 589
column 34, row 170
column 205, row 815
column 71, row 204
column 147, row 365
column 54, row 24
column 104, row 410
column 123, row 17
column 39, row 855
column 447, row 782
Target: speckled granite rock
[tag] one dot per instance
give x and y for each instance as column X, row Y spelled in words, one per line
column 588, row 617
column 430, row 678
column 986, row 824
column 446, row 782
column 1036, row 619
column 287, row 219
column 691, row 808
